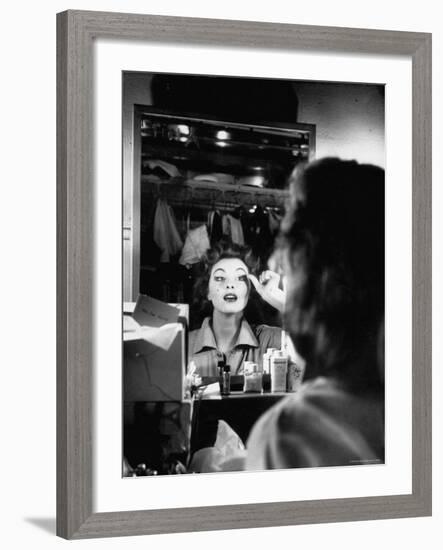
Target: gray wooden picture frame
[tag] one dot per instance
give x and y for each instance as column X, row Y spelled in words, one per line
column 76, row 31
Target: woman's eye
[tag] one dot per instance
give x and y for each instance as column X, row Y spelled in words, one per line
column 242, row 278
column 219, row 279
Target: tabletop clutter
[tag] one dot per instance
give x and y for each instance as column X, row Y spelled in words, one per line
column 278, row 372
column 284, row 373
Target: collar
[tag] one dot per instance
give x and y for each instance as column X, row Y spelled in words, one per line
column 246, row 336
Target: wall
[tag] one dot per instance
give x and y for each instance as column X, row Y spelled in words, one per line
column 28, row 276
column 349, row 119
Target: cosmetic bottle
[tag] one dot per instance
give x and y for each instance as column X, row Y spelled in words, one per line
column 220, row 368
column 226, row 387
column 267, row 359
column 253, row 378
column 279, row 366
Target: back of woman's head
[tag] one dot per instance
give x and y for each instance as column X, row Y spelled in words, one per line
column 333, row 233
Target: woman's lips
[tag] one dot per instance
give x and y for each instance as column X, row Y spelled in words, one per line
column 230, row 297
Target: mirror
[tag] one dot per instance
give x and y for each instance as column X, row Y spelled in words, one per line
column 204, row 172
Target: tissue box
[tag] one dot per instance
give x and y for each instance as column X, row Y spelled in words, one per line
column 152, row 372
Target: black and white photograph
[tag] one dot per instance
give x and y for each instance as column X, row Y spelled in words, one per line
column 253, row 274
column 220, row 216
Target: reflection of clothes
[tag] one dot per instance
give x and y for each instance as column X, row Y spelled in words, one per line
column 251, row 344
column 166, row 235
column 321, row 425
column 167, row 167
column 274, row 221
column 196, row 244
column 233, row 229
column 257, row 233
column 215, row 177
column 149, row 251
column 215, row 226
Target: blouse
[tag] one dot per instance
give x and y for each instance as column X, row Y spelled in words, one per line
column 251, row 344
column 321, row 425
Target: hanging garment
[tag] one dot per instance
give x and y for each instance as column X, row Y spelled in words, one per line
column 259, row 236
column 215, row 226
column 166, row 235
column 149, row 251
column 232, row 228
column 196, row 244
column 274, row 221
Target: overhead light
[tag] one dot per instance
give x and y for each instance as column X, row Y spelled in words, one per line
column 183, row 129
column 222, row 135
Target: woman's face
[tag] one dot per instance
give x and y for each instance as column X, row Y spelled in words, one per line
column 229, row 285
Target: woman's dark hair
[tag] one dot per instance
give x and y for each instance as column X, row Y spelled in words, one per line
column 333, row 234
column 223, row 249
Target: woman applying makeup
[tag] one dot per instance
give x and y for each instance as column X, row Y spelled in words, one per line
column 224, row 289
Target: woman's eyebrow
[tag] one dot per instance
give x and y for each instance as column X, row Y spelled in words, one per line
column 219, row 269
column 241, row 269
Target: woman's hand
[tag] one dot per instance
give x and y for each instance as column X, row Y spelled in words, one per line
column 267, row 287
